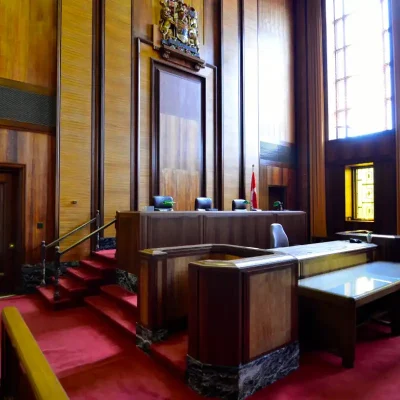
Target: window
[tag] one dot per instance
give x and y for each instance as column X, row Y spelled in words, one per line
column 359, row 60
column 360, row 192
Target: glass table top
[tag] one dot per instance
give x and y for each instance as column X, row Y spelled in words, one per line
column 355, row 281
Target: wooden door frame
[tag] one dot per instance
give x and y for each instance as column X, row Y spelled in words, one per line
column 20, row 171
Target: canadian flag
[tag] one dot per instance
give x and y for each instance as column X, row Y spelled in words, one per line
column 253, row 191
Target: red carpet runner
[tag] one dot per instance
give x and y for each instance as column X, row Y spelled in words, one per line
column 94, row 360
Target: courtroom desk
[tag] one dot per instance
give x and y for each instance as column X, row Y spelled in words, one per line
column 333, row 304
column 389, row 245
column 137, row 231
column 164, row 285
column 319, row 258
column 243, row 324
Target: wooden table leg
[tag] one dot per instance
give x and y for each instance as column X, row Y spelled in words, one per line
column 348, row 334
column 394, row 313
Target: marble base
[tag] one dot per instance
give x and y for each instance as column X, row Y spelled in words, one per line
column 237, row 383
column 127, row 280
column 145, row 337
column 31, row 275
column 107, row 243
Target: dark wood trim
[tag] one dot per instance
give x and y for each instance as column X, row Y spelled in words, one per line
column 155, row 133
column 136, row 154
column 95, row 112
column 156, row 67
column 325, row 71
column 242, row 155
column 20, row 242
column 27, row 127
column 58, row 122
column 27, row 87
column 134, row 178
column 219, row 201
column 101, row 131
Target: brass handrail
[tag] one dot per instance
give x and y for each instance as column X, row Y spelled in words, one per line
column 44, row 247
column 59, row 254
column 86, row 237
column 20, row 347
column 52, row 244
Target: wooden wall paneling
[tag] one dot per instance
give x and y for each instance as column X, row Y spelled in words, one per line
column 396, row 74
column 379, row 149
column 36, row 152
column 276, row 61
column 143, row 18
column 28, row 41
column 230, row 101
column 211, row 48
column 117, row 109
column 178, row 135
column 75, row 121
column 250, row 94
column 274, row 175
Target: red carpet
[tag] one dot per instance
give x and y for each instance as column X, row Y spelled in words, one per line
column 97, row 361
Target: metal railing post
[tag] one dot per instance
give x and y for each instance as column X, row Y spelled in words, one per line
column 57, row 274
column 43, row 257
column 98, row 233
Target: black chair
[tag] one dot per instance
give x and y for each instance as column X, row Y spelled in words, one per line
column 203, row 203
column 278, row 236
column 159, row 203
column 239, row 205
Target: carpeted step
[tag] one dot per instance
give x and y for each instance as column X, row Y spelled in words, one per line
column 47, row 292
column 110, row 309
column 105, row 255
column 122, row 296
column 98, row 266
column 72, row 285
column 88, row 276
column 172, row 353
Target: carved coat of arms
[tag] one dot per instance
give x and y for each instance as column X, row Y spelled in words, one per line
column 179, row 26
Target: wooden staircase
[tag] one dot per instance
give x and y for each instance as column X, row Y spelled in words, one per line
column 82, row 281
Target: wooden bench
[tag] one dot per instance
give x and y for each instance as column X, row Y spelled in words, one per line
column 333, row 304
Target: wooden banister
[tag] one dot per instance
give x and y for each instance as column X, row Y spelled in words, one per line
column 20, row 347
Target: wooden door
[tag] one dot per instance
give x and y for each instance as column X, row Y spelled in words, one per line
column 8, row 229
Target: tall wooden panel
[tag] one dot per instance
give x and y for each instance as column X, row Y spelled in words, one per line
column 276, row 93
column 75, row 120
column 117, row 109
column 230, row 101
column 28, row 48
column 251, row 92
column 178, row 136
column 37, row 153
column 276, row 100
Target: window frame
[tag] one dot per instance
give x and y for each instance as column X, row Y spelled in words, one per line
column 351, row 191
column 325, row 75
